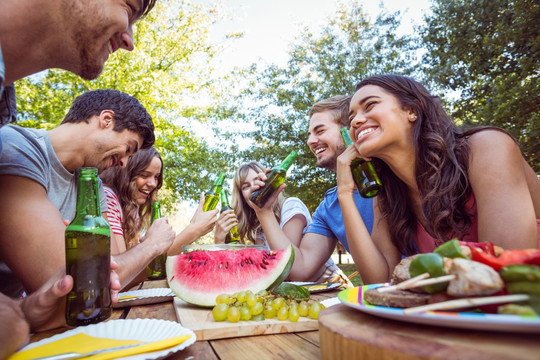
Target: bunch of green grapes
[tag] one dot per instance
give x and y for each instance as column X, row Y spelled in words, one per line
column 245, row 305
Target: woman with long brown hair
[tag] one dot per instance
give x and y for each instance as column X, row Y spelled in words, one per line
column 439, row 182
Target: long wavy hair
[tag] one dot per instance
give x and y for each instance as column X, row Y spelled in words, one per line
column 122, row 182
column 442, row 159
column 249, row 227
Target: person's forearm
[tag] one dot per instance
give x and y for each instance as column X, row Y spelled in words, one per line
column 132, row 262
column 272, row 231
column 371, row 264
column 185, row 237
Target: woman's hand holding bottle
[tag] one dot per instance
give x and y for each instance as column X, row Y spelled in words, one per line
column 345, row 181
column 226, row 221
column 270, row 203
column 161, row 234
column 202, row 221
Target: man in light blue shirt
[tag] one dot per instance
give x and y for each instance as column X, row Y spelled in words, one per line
column 327, row 117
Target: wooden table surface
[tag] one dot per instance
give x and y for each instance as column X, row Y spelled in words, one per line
column 344, row 333
column 294, row 346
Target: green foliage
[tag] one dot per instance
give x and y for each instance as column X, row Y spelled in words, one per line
column 168, row 69
column 489, row 52
column 277, row 100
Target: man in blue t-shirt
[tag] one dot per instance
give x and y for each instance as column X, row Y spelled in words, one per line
column 327, row 117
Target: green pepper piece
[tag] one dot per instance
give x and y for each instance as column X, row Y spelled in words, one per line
column 450, row 249
column 523, row 287
column 520, row 272
column 515, row 309
column 429, row 263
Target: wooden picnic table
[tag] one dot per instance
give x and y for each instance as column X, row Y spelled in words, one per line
column 294, row 346
column 344, row 333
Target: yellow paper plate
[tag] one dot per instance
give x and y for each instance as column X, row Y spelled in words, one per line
column 146, row 330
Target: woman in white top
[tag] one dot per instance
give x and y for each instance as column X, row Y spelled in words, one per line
column 279, row 218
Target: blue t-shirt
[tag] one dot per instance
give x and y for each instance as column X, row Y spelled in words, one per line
column 328, row 219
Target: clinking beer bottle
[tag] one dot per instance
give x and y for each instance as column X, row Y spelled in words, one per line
column 232, row 237
column 275, row 178
column 88, row 256
column 156, row 269
column 211, row 199
column 364, row 174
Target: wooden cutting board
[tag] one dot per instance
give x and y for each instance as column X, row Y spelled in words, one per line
column 200, row 320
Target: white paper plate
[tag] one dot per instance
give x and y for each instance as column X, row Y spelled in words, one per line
column 148, row 330
column 330, row 302
column 314, row 288
column 144, row 296
column 354, row 298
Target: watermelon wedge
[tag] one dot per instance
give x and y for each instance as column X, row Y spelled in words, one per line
column 199, row 276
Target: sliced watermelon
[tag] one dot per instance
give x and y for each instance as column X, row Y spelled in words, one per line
column 200, row 276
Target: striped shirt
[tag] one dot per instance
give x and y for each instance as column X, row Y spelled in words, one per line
column 114, row 212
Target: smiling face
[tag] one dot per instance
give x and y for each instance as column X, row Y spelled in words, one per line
column 99, row 28
column 324, row 139
column 379, row 124
column 147, row 181
column 113, row 148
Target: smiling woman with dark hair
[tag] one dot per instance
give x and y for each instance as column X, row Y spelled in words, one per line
column 439, row 182
column 130, row 192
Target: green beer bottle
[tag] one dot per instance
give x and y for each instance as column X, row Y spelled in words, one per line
column 156, row 269
column 364, row 174
column 232, row 237
column 275, row 178
column 88, row 256
column 211, row 199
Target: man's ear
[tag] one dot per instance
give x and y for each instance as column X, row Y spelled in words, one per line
column 106, row 119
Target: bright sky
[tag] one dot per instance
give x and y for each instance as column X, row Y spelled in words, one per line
column 269, row 26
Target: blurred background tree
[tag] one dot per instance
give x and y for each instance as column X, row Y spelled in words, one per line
column 276, row 100
column 481, row 56
column 167, row 71
column 487, row 52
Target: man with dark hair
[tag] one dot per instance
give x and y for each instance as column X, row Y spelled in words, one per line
column 125, row 108
column 327, row 117
column 37, row 183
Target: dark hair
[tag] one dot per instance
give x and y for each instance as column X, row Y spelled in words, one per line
column 129, row 113
column 338, row 105
column 122, row 182
column 442, row 158
column 147, row 6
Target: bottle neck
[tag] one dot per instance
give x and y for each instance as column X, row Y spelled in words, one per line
column 87, row 193
column 156, row 211
column 286, row 164
column 225, row 198
column 346, row 137
column 219, row 181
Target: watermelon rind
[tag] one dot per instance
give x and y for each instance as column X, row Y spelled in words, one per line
column 199, row 285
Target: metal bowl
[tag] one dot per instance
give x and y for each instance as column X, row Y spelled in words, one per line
column 213, row 247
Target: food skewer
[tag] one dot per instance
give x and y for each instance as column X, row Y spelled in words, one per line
column 468, row 302
column 417, row 281
column 405, row 284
